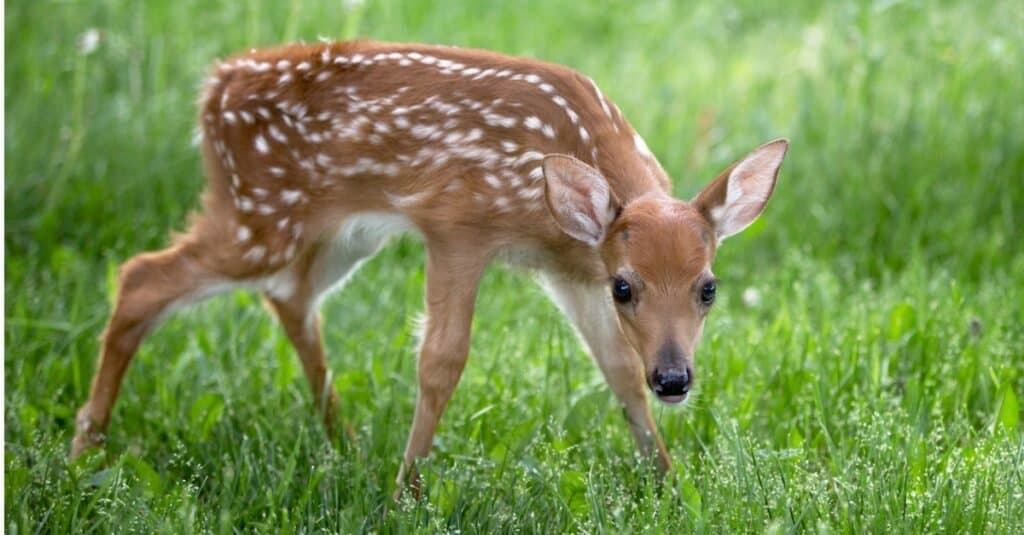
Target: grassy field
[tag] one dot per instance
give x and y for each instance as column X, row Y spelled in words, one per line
column 874, row 384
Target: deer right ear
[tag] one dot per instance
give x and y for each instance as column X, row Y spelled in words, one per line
column 578, row 197
column 733, row 201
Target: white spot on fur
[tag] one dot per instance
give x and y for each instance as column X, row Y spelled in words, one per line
column 527, row 157
column 255, row 254
column 422, row 131
column 530, row 194
column 494, row 119
column 243, row 234
column 277, row 134
column 600, row 97
column 261, row 144
column 406, row 201
column 641, row 145
column 492, row 180
column 291, row 196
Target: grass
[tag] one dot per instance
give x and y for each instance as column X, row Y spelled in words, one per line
column 873, row 387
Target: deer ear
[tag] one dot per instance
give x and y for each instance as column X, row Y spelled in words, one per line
column 733, row 201
column 578, row 197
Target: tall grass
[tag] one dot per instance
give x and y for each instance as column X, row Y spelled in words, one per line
column 872, row 386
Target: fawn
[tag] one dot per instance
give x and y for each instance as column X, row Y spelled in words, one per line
column 316, row 154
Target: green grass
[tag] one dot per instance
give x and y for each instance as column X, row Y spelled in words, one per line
column 874, row 387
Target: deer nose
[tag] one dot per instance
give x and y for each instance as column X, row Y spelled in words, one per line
column 671, row 384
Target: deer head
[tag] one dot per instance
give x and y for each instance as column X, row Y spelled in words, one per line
column 658, row 252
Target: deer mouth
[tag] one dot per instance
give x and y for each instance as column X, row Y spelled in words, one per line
column 673, row 399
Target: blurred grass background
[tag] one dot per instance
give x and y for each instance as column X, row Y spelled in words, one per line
column 869, row 381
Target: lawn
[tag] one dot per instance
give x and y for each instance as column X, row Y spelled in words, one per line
column 863, row 370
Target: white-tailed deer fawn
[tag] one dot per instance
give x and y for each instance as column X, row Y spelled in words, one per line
column 316, row 154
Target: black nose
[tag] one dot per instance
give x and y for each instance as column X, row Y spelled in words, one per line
column 671, row 382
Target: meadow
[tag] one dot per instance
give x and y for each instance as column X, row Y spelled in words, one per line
column 862, row 371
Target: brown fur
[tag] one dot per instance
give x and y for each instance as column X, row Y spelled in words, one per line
column 299, row 140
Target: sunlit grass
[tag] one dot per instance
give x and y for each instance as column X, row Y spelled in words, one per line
column 872, row 387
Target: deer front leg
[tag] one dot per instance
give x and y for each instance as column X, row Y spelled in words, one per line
column 451, row 287
column 589, row 308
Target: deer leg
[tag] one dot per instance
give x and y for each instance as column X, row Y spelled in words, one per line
column 451, row 287
column 322, row 269
column 591, row 312
column 302, row 325
column 149, row 286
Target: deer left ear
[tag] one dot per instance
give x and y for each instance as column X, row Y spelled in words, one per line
column 733, row 201
column 578, row 198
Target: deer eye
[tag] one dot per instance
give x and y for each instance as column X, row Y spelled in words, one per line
column 707, row 293
column 621, row 290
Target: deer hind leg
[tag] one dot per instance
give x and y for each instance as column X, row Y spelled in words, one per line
column 294, row 295
column 589, row 309
column 149, row 287
column 302, row 325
